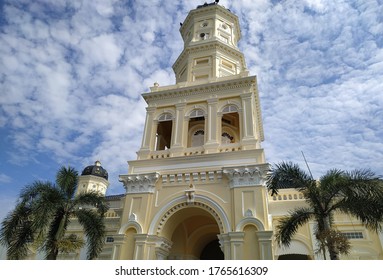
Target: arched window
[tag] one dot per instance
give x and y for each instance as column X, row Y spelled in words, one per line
column 226, row 138
column 164, row 132
column 230, row 132
column 196, row 128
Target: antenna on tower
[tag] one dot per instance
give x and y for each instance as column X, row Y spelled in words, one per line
column 307, row 165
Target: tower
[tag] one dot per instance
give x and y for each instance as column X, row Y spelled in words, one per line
column 196, row 190
column 94, row 178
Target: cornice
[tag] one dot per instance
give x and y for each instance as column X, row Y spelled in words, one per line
column 245, row 176
column 200, row 89
column 142, row 183
column 211, row 44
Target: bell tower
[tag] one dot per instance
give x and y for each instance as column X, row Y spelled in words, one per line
column 197, row 186
column 210, row 34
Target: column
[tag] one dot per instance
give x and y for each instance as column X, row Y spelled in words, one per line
column 212, row 125
column 149, row 136
column 178, row 130
column 265, row 244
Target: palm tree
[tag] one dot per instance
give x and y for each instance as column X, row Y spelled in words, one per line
column 358, row 193
column 43, row 213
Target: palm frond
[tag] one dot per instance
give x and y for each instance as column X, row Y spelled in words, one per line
column 289, row 225
column 94, row 229
column 44, row 199
column 93, row 199
column 287, row 175
column 16, row 232
column 69, row 244
column 67, row 179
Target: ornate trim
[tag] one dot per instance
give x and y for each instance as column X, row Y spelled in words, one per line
column 187, row 204
column 142, row 183
column 213, row 87
column 245, row 176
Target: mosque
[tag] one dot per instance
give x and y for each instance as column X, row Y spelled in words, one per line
column 197, row 188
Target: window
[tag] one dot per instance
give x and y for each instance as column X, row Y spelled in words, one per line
column 230, row 125
column 198, row 138
column 164, row 132
column 196, row 128
column 196, row 113
column 353, row 235
column 109, row 239
column 204, row 36
column 230, row 109
column 226, row 138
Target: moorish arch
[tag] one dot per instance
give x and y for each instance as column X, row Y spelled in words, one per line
column 192, row 228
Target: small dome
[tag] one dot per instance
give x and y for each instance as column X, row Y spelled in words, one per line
column 95, row 170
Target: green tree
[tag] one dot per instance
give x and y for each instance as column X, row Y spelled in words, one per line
column 43, row 213
column 358, row 193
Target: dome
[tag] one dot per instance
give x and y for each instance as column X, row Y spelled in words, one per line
column 95, row 170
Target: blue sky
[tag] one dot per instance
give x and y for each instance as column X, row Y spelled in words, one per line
column 72, row 74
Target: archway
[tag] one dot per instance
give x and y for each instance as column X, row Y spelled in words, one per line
column 193, row 232
column 297, row 250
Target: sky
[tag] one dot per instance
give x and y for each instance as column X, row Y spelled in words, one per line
column 72, row 74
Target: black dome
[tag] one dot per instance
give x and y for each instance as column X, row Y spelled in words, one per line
column 95, row 170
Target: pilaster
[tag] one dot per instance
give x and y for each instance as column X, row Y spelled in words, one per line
column 152, row 247
column 248, row 124
column 232, row 245
column 265, row 244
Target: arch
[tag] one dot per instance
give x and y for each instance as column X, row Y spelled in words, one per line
column 250, row 221
column 165, row 115
column 297, row 247
column 163, row 137
column 230, row 123
column 196, row 136
column 130, row 224
column 196, row 113
column 196, row 124
column 228, row 106
column 189, row 112
column 179, row 203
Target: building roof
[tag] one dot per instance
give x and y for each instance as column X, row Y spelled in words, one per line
column 95, row 170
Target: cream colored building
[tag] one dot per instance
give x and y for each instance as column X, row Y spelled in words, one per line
column 197, row 188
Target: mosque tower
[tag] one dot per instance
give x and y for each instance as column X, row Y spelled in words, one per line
column 196, row 190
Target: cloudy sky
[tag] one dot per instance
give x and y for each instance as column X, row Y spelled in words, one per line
column 72, row 74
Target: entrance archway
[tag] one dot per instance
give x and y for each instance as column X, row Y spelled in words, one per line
column 193, row 232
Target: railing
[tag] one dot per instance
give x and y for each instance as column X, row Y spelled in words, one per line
column 200, row 150
column 194, row 151
column 160, row 154
column 286, row 195
column 229, row 148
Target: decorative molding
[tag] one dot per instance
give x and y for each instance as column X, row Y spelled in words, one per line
column 190, row 194
column 142, row 183
column 245, row 176
column 195, row 177
column 249, row 213
column 201, row 89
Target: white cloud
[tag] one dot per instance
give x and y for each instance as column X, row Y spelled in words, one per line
column 5, row 178
column 72, row 74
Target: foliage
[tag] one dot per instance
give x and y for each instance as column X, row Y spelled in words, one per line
column 43, row 213
column 358, row 193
